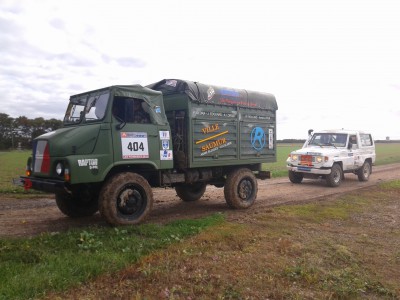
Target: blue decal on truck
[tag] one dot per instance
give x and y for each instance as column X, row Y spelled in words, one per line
column 258, row 138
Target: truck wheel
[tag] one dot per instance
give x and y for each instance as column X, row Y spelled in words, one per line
column 191, row 192
column 335, row 177
column 126, row 199
column 240, row 188
column 364, row 172
column 81, row 203
column 295, row 177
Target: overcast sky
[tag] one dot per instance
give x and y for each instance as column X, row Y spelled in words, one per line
column 330, row 64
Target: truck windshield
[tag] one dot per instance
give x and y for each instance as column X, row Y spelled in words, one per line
column 329, row 139
column 86, row 108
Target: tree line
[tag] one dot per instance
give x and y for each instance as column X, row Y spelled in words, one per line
column 18, row 133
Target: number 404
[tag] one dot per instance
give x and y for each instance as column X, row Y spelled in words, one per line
column 135, row 146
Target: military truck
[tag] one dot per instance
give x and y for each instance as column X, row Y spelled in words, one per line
column 119, row 142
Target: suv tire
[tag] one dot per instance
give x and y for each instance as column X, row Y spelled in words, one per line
column 335, row 177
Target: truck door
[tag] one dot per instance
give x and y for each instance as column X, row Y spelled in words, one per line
column 135, row 138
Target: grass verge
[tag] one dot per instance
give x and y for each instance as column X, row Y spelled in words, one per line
column 30, row 268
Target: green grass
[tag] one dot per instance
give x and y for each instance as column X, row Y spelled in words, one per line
column 278, row 168
column 12, row 165
column 387, row 153
column 53, row 262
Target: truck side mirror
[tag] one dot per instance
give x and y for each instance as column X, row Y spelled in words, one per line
column 350, row 146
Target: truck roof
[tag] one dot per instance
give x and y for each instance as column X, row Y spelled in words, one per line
column 346, row 131
column 205, row 93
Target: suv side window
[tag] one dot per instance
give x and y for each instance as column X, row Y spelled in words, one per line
column 353, row 141
column 366, row 140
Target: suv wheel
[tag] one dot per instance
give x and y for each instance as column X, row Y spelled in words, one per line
column 295, row 177
column 364, row 172
column 335, row 177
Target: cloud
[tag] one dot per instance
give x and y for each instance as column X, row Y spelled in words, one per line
column 130, row 62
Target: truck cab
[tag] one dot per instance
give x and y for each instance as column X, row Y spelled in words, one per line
column 329, row 154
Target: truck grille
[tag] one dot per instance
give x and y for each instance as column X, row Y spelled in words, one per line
column 41, row 157
column 306, row 160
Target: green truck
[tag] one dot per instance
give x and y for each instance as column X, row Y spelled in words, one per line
column 118, row 142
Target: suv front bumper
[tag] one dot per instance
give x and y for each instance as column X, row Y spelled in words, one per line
column 310, row 170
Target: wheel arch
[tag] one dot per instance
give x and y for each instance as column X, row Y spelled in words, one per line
column 142, row 169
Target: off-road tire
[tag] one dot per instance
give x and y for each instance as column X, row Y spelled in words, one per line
column 295, row 177
column 240, row 189
column 81, row 202
column 335, row 177
column 191, row 192
column 364, row 172
column 125, row 199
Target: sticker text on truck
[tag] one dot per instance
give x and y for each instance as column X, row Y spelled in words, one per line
column 134, row 145
column 213, row 145
column 92, row 163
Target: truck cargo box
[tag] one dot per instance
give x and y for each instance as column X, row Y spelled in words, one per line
column 214, row 125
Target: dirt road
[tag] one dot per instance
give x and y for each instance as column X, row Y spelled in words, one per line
column 29, row 217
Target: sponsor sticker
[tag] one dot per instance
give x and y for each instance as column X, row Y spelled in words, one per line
column 165, row 154
column 134, row 145
column 165, row 144
column 171, row 82
column 164, row 135
column 257, row 138
column 210, row 93
column 270, row 138
column 92, row 163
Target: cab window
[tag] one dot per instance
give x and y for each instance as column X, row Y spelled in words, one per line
column 130, row 110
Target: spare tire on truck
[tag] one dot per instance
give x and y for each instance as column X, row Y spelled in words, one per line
column 191, row 192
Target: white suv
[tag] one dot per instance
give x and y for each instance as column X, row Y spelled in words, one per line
column 331, row 153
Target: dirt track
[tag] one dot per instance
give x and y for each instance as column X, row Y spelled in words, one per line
column 28, row 217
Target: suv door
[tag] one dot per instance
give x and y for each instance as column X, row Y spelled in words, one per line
column 351, row 151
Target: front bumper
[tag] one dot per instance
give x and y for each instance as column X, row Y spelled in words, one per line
column 40, row 184
column 309, row 170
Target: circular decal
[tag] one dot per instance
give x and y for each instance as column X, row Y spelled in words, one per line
column 257, row 138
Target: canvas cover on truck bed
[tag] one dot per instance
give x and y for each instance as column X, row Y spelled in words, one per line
column 204, row 93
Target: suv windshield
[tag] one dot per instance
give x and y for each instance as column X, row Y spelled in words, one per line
column 86, row 108
column 329, row 139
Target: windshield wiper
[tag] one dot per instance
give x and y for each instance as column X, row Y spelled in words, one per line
column 330, row 144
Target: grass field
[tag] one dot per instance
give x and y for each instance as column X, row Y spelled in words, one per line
column 12, row 164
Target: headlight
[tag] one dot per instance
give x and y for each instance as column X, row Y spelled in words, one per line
column 294, row 157
column 318, row 159
column 59, row 169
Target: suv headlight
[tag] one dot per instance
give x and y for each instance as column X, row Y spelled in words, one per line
column 294, row 157
column 319, row 159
